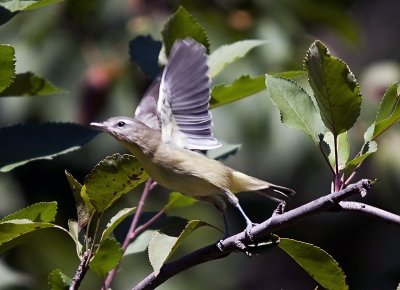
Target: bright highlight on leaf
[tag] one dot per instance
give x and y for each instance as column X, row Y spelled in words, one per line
column 242, row 87
column 229, row 53
column 317, row 263
column 335, row 88
column 296, row 107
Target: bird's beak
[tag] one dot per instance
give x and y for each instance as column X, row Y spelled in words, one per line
column 99, row 126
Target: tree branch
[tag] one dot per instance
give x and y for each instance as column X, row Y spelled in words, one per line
column 82, row 269
column 262, row 231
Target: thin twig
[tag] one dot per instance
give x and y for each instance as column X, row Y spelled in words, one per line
column 81, row 271
column 262, row 231
column 131, row 232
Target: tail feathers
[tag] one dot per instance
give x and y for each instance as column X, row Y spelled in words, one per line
column 242, row 183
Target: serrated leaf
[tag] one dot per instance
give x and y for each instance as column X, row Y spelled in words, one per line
column 57, row 280
column 296, row 107
column 29, row 84
column 140, row 244
column 369, row 148
column 162, row 246
column 106, row 257
column 176, row 199
column 229, row 53
column 335, row 88
column 73, row 229
column 20, row 5
column 116, row 220
column 24, row 143
column 82, row 209
column 292, row 75
column 388, row 113
column 7, row 65
column 180, row 26
column 111, row 178
column 242, row 87
column 39, row 212
column 317, row 263
column 144, row 51
column 343, row 148
column 14, row 232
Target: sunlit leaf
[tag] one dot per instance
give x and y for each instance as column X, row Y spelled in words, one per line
column 296, row 107
column 29, row 84
column 242, row 87
column 182, row 25
column 73, row 229
column 20, row 5
column 343, row 149
column 177, row 199
column 317, row 263
column 58, row 280
column 39, row 212
column 7, row 65
column 388, row 113
column 140, row 244
column 23, row 143
column 106, row 257
column 162, row 246
column 335, row 89
column 229, row 53
column 369, row 148
column 111, row 178
column 116, row 220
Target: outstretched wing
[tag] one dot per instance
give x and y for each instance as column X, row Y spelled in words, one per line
column 183, row 103
column 146, row 111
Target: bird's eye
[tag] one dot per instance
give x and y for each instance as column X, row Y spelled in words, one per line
column 121, row 124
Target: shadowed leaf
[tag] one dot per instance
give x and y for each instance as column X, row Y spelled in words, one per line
column 144, row 51
column 106, row 257
column 58, row 280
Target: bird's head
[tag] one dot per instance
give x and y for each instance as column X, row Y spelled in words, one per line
column 124, row 129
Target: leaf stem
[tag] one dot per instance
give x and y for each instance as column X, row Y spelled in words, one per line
column 336, row 177
column 131, row 234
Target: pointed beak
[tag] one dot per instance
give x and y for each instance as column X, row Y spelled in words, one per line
column 98, row 126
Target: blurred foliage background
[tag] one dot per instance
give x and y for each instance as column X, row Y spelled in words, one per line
column 82, row 47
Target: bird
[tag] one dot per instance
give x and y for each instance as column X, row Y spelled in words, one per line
column 171, row 130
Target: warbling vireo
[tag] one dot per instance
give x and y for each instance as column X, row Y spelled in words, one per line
column 172, row 120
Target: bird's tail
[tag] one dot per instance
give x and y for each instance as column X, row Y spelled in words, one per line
column 242, row 183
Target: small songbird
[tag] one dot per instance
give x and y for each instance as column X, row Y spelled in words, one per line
column 172, row 123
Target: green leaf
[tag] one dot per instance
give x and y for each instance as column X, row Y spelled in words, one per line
column 242, row 87
column 292, row 75
column 162, row 246
column 111, row 178
column 39, row 212
column 7, row 65
column 73, row 229
column 58, row 280
column 317, row 263
column 296, row 107
column 29, row 84
column 24, row 143
column 335, row 88
column 20, row 5
column 14, row 232
column 369, row 148
column 388, row 112
column 116, row 220
column 343, row 149
column 177, row 199
column 141, row 243
column 180, row 26
column 83, row 209
column 227, row 54
column 107, row 257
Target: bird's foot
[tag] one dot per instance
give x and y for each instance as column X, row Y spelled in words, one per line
column 248, row 229
column 242, row 247
column 280, row 209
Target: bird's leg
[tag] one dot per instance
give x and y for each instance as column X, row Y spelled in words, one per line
column 235, row 201
column 227, row 229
